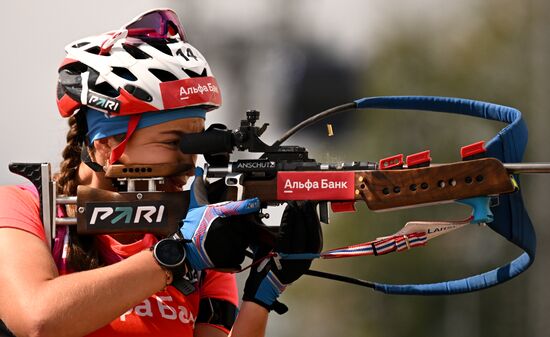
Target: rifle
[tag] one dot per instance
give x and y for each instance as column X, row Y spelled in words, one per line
column 486, row 179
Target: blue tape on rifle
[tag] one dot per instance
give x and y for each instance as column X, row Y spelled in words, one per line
column 510, row 216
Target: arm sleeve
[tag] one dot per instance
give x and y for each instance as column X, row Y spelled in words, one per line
column 220, row 296
column 19, row 209
column 220, row 285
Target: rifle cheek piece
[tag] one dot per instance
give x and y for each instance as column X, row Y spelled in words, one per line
column 107, row 212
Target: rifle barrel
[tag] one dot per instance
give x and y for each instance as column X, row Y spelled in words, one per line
column 527, row 167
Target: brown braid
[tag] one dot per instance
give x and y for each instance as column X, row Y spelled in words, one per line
column 82, row 254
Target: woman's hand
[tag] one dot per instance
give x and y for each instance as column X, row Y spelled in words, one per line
column 300, row 232
column 216, row 235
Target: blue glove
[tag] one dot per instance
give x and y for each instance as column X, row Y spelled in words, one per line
column 217, row 235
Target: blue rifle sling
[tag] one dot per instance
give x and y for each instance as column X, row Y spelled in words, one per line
column 510, row 216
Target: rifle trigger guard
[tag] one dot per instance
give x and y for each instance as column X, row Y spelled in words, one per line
column 235, row 180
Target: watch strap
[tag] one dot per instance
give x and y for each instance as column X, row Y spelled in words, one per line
column 183, row 285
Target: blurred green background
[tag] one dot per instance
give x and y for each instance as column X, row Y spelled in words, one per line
column 291, row 59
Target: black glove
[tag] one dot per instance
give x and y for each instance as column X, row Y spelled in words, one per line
column 217, row 234
column 300, row 232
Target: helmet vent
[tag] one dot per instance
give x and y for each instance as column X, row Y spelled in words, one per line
column 124, row 73
column 75, row 67
column 163, row 75
column 105, row 89
column 161, row 46
column 192, row 74
column 81, row 44
column 138, row 93
column 136, row 53
column 95, row 50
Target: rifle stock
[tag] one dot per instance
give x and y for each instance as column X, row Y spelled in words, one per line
column 387, row 189
column 390, row 189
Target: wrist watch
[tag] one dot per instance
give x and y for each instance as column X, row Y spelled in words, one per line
column 170, row 254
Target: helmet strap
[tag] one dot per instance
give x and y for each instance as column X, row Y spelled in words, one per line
column 85, row 158
column 117, row 152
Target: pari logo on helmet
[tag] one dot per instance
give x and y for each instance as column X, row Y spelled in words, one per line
column 102, row 102
column 145, row 66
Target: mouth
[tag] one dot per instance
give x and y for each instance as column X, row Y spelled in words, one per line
column 177, row 182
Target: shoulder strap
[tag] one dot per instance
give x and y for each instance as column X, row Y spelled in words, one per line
column 217, row 312
column 510, row 216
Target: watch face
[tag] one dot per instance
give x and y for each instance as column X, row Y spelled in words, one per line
column 169, row 252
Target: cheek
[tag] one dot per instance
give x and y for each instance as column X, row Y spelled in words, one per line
column 156, row 154
column 187, row 158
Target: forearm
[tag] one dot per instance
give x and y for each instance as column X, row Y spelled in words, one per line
column 251, row 321
column 79, row 303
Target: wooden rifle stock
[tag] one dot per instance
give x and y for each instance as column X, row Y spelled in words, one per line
column 389, row 189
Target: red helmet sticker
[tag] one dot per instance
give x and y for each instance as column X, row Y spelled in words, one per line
column 67, row 106
column 315, row 185
column 67, row 61
column 190, row 91
column 130, row 105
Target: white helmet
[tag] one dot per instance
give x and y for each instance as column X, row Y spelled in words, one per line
column 146, row 66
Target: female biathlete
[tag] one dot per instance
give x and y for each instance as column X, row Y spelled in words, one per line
column 130, row 95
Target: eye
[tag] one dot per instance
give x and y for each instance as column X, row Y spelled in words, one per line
column 172, row 142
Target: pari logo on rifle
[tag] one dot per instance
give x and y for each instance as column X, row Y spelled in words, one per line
column 127, row 214
column 124, row 216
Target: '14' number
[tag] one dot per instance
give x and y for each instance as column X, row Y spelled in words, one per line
column 188, row 54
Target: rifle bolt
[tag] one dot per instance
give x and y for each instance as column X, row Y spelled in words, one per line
column 139, row 196
column 81, row 210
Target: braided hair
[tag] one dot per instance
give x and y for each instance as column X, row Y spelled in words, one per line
column 82, row 252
